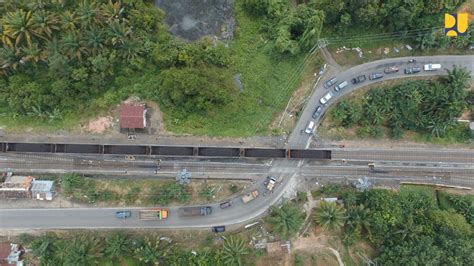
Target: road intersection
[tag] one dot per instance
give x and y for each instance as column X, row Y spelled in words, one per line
column 422, row 164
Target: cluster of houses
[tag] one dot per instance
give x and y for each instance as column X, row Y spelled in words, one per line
column 18, row 187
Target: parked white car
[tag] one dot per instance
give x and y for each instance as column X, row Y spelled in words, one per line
column 326, row 97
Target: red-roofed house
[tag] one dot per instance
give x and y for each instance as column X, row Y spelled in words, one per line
column 11, row 254
column 132, row 116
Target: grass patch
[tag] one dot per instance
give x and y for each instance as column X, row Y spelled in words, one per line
column 265, row 78
column 372, row 46
column 414, row 189
column 144, row 192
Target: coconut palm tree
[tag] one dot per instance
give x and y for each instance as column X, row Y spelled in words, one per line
column 94, row 40
column 409, row 229
column 117, row 245
column 18, row 28
column 68, row 20
column 234, row 249
column 33, row 54
column 458, row 77
column 118, row 33
column 112, row 11
column 329, row 216
column 358, row 218
column 286, row 220
column 151, row 251
column 45, row 23
column 72, row 47
column 43, row 248
column 84, row 250
column 9, row 58
column 89, row 14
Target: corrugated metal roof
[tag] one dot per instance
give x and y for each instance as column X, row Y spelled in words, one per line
column 42, row 186
column 132, row 116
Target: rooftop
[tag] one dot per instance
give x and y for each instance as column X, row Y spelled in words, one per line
column 17, row 182
column 132, row 116
column 42, row 185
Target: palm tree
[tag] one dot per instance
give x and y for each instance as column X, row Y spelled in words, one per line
column 94, row 40
column 117, row 245
column 43, row 248
column 33, row 54
column 409, row 229
column 151, row 251
column 18, row 28
column 234, row 249
column 71, row 44
column 458, row 77
column 286, row 220
column 329, row 216
column 358, row 218
column 84, row 250
column 130, row 49
column 9, row 58
column 68, row 21
column 61, row 251
column 118, row 33
column 45, row 23
column 112, row 11
column 88, row 13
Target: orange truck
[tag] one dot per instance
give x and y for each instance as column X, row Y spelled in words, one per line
column 249, row 197
column 153, row 214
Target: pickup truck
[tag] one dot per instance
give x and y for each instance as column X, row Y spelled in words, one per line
column 270, row 183
column 374, row 76
column 153, row 214
column 390, row 70
column 249, row 197
column 412, row 70
column 432, row 67
column 330, row 82
column 358, row 79
column 195, row 211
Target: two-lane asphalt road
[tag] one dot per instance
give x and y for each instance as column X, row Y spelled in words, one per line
column 90, row 218
column 299, row 139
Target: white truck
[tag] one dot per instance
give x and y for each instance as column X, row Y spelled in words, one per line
column 432, row 67
column 270, row 183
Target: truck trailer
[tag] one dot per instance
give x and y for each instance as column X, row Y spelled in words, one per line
column 249, row 197
column 195, row 211
column 153, row 214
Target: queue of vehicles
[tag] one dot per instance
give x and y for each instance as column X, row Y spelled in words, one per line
column 373, row 76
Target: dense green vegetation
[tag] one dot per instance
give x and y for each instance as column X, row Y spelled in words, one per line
column 416, row 225
column 407, row 227
column 430, row 107
column 65, row 60
column 119, row 248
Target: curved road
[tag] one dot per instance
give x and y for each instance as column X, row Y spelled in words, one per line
column 24, row 219
column 299, row 139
